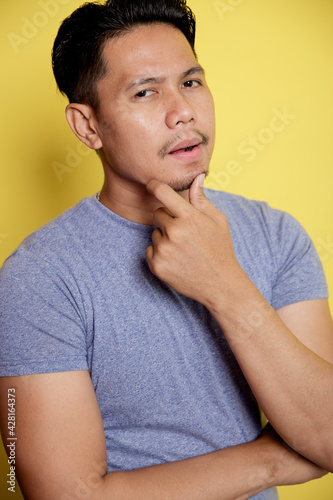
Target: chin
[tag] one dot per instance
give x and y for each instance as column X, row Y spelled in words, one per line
column 181, row 186
column 185, row 183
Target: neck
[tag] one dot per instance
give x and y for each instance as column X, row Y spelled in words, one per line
column 131, row 201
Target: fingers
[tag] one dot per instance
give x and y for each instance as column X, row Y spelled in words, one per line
column 150, row 255
column 156, row 237
column 171, row 200
column 177, row 205
column 198, row 199
column 197, row 184
column 162, row 218
column 150, row 251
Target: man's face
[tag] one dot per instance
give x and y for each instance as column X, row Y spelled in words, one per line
column 156, row 113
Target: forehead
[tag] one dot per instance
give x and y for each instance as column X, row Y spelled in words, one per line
column 156, row 50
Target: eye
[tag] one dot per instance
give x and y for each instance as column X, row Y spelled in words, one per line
column 144, row 93
column 190, row 84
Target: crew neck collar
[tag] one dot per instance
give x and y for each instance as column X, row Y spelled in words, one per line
column 108, row 213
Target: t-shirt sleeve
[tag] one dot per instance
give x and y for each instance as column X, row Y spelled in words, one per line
column 42, row 328
column 299, row 271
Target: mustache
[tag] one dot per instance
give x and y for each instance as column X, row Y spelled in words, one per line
column 164, row 151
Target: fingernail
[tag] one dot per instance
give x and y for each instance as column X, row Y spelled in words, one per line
column 200, row 180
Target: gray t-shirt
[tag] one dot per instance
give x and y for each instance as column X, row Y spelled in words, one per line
column 78, row 294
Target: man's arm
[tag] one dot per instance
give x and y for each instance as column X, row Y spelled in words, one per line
column 61, row 452
column 192, row 251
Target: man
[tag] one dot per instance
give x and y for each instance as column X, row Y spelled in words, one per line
column 139, row 331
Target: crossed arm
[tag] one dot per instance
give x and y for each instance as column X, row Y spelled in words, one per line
column 61, row 451
column 286, row 356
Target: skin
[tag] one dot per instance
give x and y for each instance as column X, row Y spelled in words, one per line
column 192, row 245
column 53, row 460
column 137, row 121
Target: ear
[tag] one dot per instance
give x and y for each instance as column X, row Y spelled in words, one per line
column 81, row 119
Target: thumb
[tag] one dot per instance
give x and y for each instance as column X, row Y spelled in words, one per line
column 196, row 193
column 198, row 199
column 197, row 196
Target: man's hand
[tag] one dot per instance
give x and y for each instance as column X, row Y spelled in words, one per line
column 192, row 249
column 193, row 253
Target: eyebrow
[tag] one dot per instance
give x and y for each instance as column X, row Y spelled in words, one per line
column 194, row 71
column 147, row 81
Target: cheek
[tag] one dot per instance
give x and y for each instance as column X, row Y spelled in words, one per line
column 138, row 127
column 210, row 113
column 206, row 111
column 211, row 108
column 145, row 124
column 131, row 142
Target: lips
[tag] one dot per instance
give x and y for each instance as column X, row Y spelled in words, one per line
column 186, row 145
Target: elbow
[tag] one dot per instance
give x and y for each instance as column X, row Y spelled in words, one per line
column 324, row 452
column 329, row 467
column 316, row 447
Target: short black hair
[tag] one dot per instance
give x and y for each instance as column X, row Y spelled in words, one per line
column 77, row 51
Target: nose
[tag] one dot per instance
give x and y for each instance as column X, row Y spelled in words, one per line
column 179, row 110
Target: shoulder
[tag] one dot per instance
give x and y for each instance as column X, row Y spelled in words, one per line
column 56, row 231
column 237, row 205
column 254, row 215
column 272, row 242
column 47, row 259
column 56, row 236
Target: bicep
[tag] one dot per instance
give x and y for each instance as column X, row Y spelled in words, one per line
column 310, row 321
column 59, row 431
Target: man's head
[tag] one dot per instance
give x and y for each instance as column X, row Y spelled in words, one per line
column 77, row 56
column 143, row 102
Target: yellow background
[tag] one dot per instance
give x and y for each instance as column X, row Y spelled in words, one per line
column 262, row 57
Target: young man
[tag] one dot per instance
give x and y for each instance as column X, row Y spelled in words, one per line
column 141, row 328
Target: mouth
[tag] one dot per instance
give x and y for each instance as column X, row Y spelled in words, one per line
column 187, row 154
column 186, row 146
column 184, row 150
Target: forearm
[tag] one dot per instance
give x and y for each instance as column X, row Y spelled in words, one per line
column 193, row 252
column 234, row 473
column 291, row 383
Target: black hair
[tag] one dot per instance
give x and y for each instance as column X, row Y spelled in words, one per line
column 77, row 51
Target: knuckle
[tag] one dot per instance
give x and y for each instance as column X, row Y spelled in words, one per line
column 156, row 236
column 174, row 232
column 156, row 266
